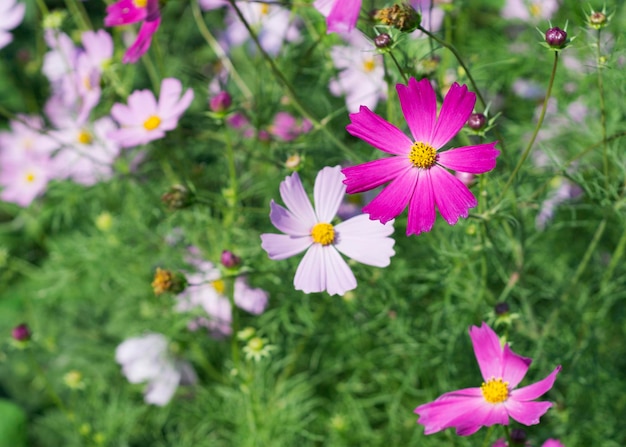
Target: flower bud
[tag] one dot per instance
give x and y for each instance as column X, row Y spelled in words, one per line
column 518, row 437
column 502, row 309
column 168, row 281
column 476, row 121
column 402, row 17
column 221, row 102
column 178, row 197
column 382, row 41
column 598, row 19
column 21, row 332
column 556, row 37
column 229, row 259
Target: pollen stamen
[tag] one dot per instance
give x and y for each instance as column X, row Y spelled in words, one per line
column 323, row 233
column 422, row 155
column 495, row 391
column 152, row 123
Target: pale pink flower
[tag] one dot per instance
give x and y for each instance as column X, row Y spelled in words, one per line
column 27, row 140
column 22, row 183
column 361, row 75
column 417, row 172
column 431, row 14
column 124, row 12
column 310, row 229
column 287, row 128
column 497, row 399
column 11, row 15
column 341, row 15
column 148, row 359
column 530, row 10
column 144, row 119
column 207, row 5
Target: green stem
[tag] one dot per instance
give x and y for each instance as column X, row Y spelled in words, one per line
column 233, row 198
column 79, row 11
column 526, row 152
column 395, row 61
column 234, row 343
column 615, row 260
column 605, row 158
column 219, row 51
column 488, row 436
column 289, row 88
column 42, row 7
column 507, row 433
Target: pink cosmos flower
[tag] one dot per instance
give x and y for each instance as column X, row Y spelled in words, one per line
column 341, row 15
column 144, row 119
column 11, row 15
column 287, row 128
column 417, row 173
column 22, row 183
column 470, row 409
column 125, row 12
column 310, row 229
column 553, row 443
column 530, row 10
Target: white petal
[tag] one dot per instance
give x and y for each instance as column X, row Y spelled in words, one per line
column 328, row 193
column 365, row 240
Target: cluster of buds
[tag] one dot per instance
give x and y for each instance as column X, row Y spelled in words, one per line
column 402, row 17
column 168, row 281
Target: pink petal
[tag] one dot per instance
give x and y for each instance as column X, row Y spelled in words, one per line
column 124, row 12
column 143, row 41
column 454, row 409
column 13, row 17
column 286, row 222
column 328, row 193
column 142, row 103
column 527, row 413
column 472, row 159
column 365, row 240
column 419, row 106
column 514, row 367
column 171, row 105
column 343, row 16
column 282, row 246
column 125, row 116
column 452, row 197
column 374, row 173
column 394, row 198
column 322, row 268
column 535, row 390
column 456, row 109
column 381, row 134
column 487, row 350
column 297, row 201
column 422, row 205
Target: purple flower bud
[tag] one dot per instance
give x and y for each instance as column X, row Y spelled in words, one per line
column 382, row 40
column 221, row 102
column 502, row 309
column 556, row 37
column 229, row 259
column 21, row 333
column 476, row 121
column 518, row 437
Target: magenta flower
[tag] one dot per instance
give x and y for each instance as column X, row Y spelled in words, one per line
column 470, row 409
column 417, row 173
column 310, row 229
column 125, row 12
column 341, row 15
column 144, row 119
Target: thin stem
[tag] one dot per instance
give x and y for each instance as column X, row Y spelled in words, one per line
column 234, row 343
column 488, row 436
column 395, row 61
column 289, row 88
column 507, row 433
column 219, row 51
column 233, row 198
column 615, row 260
column 79, row 12
column 42, row 7
column 605, row 157
column 526, row 152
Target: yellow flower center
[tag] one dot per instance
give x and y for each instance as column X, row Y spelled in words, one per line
column 219, row 286
column 323, row 233
column 368, row 65
column 265, row 9
column 422, row 155
column 152, row 123
column 84, row 137
column 495, row 391
column 30, row 177
column 535, row 10
column 140, row 3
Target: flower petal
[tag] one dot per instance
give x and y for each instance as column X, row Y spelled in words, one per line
column 472, row 159
column 322, row 268
column 453, row 198
column 535, row 390
column 286, row 222
column 456, row 109
column 343, row 16
column 374, row 173
column 394, row 198
column 282, row 246
column 421, row 206
column 514, row 367
column 170, row 102
column 142, row 103
column 487, row 350
column 365, row 240
column 297, row 201
column 376, row 131
column 419, row 106
column 328, row 193
column 143, row 41
column 527, row 413
column 161, row 390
